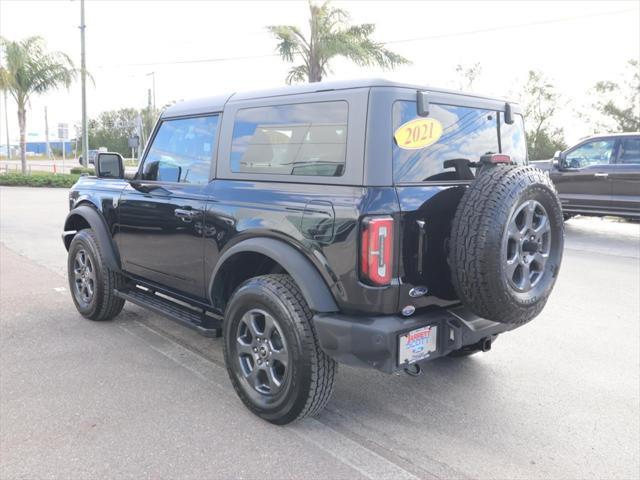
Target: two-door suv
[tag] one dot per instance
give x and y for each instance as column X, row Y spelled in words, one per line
column 369, row 223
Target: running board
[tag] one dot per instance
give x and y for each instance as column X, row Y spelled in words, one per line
column 199, row 321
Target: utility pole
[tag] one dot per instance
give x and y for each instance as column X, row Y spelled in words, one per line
column 83, row 76
column 6, row 124
column 46, row 134
column 153, row 86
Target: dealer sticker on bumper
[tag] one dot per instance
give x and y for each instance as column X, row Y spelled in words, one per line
column 417, row 344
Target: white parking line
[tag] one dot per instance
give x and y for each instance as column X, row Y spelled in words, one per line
column 365, row 461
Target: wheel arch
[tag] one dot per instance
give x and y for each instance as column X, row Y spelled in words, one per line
column 86, row 216
column 269, row 255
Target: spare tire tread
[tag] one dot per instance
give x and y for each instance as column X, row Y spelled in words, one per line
column 473, row 269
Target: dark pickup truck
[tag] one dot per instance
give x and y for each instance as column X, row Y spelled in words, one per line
column 600, row 175
column 368, row 223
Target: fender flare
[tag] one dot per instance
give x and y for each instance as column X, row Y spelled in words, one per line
column 312, row 285
column 99, row 227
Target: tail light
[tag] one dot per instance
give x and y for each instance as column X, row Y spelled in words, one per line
column 376, row 250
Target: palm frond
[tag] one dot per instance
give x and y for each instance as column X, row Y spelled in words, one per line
column 299, row 73
column 292, row 42
column 29, row 69
column 330, row 36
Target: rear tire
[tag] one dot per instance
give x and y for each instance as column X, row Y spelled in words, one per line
column 91, row 283
column 271, row 351
column 506, row 243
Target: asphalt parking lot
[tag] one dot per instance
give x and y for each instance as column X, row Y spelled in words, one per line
column 142, row 397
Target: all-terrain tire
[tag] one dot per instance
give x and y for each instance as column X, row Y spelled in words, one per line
column 307, row 381
column 482, row 241
column 102, row 304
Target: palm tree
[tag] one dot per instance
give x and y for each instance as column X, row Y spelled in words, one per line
column 330, row 36
column 28, row 69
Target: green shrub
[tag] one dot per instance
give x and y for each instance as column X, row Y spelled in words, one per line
column 61, row 180
column 81, row 170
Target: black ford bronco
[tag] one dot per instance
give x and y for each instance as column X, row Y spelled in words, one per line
column 369, row 223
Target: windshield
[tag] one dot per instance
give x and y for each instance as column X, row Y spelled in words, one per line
column 463, row 133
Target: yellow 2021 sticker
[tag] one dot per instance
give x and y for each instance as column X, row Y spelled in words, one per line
column 418, row 133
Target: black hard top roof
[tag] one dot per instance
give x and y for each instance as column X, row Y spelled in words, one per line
column 216, row 104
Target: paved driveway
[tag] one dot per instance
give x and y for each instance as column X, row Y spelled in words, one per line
column 142, row 397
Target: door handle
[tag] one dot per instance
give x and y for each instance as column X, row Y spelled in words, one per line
column 185, row 214
column 601, row 175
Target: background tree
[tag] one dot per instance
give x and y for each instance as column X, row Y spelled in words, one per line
column 540, row 102
column 112, row 130
column 28, row 69
column 468, row 75
column 330, row 35
column 619, row 102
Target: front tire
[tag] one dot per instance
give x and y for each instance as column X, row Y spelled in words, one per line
column 271, row 351
column 91, row 283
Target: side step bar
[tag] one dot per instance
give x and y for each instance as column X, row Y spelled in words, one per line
column 197, row 320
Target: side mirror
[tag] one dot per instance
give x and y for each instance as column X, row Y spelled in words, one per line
column 109, row 165
column 558, row 160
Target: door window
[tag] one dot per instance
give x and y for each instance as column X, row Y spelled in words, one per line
column 597, row 152
column 182, row 151
column 629, row 151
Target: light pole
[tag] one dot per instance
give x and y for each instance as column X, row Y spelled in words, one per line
column 83, row 77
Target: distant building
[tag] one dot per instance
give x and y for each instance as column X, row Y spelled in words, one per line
column 40, row 148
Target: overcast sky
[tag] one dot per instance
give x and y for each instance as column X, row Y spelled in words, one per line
column 574, row 43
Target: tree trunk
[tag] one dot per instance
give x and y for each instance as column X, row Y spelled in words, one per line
column 315, row 74
column 6, row 121
column 22, row 123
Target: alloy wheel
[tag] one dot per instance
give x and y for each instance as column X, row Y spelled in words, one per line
column 528, row 243
column 84, row 276
column 262, row 352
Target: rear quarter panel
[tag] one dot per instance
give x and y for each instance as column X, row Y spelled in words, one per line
column 239, row 210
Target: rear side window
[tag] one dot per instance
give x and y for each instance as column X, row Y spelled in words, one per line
column 467, row 133
column 629, row 150
column 182, row 151
column 301, row 139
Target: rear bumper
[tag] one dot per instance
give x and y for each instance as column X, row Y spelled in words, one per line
column 372, row 341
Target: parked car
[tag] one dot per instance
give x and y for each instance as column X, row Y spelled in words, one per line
column 369, row 223
column 599, row 175
column 92, row 155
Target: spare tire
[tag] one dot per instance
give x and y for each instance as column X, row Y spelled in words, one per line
column 506, row 243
